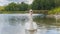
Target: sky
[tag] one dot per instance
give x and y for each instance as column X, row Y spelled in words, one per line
column 5, row 2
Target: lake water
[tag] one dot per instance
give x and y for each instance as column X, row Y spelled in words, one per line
column 14, row 24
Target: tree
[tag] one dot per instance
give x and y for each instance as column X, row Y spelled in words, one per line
column 43, row 4
column 23, row 6
column 16, row 7
column 11, row 7
column 57, row 3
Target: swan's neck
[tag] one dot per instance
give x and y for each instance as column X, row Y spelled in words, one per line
column 31, row 22
column 30, row 18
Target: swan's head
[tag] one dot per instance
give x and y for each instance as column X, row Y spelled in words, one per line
column 30, row 11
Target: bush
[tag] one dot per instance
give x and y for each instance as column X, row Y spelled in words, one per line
column 54, row 11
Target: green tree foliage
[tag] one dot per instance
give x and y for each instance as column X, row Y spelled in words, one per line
column 36, row 5
column 16, row 7
column 11, row 7
column 23, row 6
column 57, row 3
column 43, row 4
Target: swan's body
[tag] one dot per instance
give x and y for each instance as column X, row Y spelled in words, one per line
column 30, row 25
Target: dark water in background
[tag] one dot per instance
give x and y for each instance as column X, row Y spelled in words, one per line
column 14, row 24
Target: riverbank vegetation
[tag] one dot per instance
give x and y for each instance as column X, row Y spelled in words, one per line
column 36, row 5
column 55, row 11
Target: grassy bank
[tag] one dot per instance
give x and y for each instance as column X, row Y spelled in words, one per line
column 17, row 12
column 12, row 12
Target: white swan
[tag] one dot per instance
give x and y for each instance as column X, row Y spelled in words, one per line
column 30, row 25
